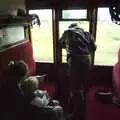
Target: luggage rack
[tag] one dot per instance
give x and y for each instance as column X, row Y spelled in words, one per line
column 10, row 20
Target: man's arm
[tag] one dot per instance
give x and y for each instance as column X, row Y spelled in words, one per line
column 92, row 44
column 63, row 39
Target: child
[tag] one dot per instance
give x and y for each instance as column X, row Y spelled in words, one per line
column 40, row 98
column 27, row 86
column 12, row 101
column 18, row 70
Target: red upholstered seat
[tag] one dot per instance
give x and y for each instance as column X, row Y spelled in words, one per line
column 96, row 110
column 116, row 77
column 50, row 87
column 21, row 51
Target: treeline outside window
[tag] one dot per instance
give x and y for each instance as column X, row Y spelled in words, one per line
column 107, row 35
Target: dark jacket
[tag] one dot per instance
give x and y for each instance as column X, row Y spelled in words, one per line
column 77, row 42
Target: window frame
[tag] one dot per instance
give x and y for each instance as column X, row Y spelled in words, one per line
column 56, row 17
column 91, row 17
column 74, row 19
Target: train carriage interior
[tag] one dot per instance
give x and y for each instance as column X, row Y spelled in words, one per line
column 30, row 31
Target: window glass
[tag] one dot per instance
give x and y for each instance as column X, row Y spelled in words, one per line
column 107, row 39
column 11, row 35
column 42, row 38
column 74, row 14
column 63, row 25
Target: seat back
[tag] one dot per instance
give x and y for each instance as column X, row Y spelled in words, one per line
column 116, row 77
column 20, row 51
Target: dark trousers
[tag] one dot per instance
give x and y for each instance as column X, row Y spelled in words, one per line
column 78, row 71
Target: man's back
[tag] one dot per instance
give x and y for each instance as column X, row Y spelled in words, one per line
column 77, row 42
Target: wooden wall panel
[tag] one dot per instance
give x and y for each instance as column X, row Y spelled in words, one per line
column 100, row 75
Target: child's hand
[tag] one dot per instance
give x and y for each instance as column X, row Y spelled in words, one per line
column 56, row 102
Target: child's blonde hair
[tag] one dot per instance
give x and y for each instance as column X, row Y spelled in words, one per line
column 29, row 85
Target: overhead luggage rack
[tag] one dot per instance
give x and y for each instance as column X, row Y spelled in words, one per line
column 10, row 20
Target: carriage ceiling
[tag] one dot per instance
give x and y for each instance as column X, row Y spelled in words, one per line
column 31, row 4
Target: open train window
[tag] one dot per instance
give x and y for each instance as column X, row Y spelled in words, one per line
column 107, row 39
column 69, row 16
column 63, row 25
column 42, row 38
